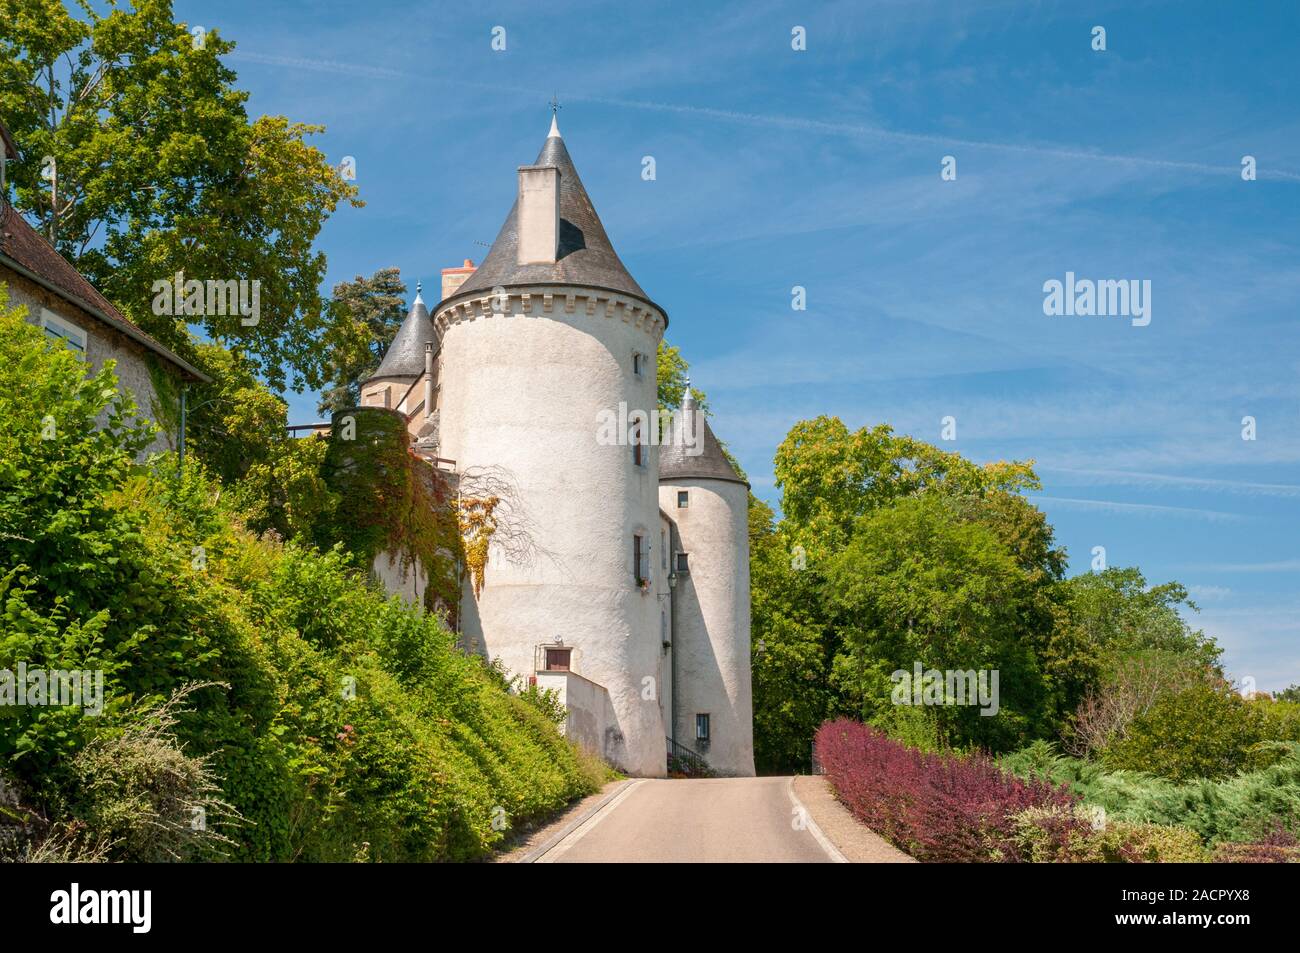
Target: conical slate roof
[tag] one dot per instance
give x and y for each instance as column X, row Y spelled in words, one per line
column 692, row 452
column 405, row 356
column 585, row 256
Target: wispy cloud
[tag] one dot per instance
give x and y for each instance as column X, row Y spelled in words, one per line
column 336, row 67
column 1282, row 565
column 857, row 130
column 1133, row 478
column 1142, row 509
column 872, row 131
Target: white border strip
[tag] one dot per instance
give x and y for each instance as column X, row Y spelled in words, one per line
column 832, row 851
column 551, row 855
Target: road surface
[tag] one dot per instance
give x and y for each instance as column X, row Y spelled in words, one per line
column 698, row 820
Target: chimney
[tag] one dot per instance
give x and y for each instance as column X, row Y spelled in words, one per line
column 453, row 278
column 428, row 379
column 539, row 214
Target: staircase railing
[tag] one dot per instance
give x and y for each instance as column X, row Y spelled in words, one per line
column 682, row 760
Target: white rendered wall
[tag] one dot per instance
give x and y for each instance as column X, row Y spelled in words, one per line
column 588, row 707
column 524, row 391
column 408, row 581
column 711, row 621
column 660, row 554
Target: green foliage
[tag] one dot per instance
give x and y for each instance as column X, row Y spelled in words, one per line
column 1120, row 615
column 919, row 582
column 339, row 723
column 237, row 428
column 790, row 663
column 365, row 315
column 1065, row 835
column 389, row 500
column 1203, row 731
column 671, row 376
column 1289, row 694
column 829, row 477
column 890, row 552
column 160, row 170
column 1236, row 809
column 137, row 795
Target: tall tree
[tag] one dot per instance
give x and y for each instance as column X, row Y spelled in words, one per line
column 139, row 162
column 365, row 314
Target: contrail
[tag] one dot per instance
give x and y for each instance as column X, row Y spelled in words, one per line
column 801, row 123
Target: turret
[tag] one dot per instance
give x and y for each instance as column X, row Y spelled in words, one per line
column 545, row 339
column 709, row 503
column 411, row 360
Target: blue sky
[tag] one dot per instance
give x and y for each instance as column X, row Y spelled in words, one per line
column 821, row 168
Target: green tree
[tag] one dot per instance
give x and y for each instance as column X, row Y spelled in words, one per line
column 239, row 431
column 1119, row 615
column 920, row 581
column 365, row 315
column 790, row 660
column 672, row 372
column 140, row 162
column 830, row 476
column 1204, row 731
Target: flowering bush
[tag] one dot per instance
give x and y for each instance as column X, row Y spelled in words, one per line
column 937, row 807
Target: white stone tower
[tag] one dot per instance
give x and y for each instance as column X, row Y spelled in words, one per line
column 709, row 503
column 548, row 334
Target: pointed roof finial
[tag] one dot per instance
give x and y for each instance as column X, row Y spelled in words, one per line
column 688, row 400
column 419, row 298
column 555, row 125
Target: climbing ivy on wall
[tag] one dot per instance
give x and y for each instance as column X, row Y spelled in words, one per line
column 477, row 524
column 166, row 403
column 392, row 501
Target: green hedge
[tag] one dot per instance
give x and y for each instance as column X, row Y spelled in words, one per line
column 345, row 725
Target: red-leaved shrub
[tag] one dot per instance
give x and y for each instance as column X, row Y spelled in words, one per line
column 944, row 808
column 1278, row 846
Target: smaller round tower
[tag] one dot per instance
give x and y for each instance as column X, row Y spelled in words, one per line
column 709, row 504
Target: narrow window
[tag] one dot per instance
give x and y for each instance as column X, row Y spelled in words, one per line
column 663, row 548
column 683, row 499
column 702, row 727
column 682, row 564
column 638, row 442
column 557, row 660
column 639, row 568
column 638, row 364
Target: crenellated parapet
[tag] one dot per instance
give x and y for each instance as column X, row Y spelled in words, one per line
column 540, row 301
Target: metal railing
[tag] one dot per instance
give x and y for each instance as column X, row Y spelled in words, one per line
column 682, row 760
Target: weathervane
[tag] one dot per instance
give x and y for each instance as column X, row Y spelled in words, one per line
column 555, row 104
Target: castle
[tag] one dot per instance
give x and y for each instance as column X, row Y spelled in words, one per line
column 631, row 598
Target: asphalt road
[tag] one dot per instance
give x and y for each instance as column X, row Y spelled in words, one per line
column 693, row 821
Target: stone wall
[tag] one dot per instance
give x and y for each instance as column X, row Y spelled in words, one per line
column 103, row 343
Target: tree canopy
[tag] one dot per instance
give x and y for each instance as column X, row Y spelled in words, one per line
column 140, row 163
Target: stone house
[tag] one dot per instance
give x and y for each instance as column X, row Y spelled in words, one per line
column 60, row 300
